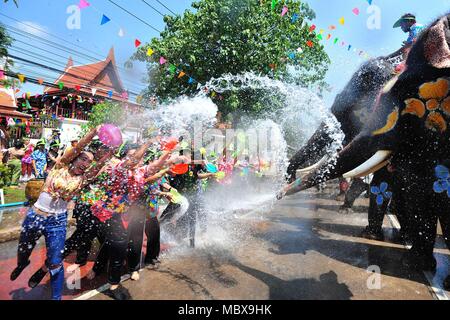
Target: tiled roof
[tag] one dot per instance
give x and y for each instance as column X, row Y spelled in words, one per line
column 8, row 106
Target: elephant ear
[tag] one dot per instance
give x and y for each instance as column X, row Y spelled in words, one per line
column 436, row 46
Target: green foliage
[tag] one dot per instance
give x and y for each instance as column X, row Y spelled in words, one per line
column 5, row 173
column 106, row 112
column 5, row 42
column 232, row 37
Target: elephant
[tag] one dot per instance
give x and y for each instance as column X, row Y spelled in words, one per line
column 409, row 129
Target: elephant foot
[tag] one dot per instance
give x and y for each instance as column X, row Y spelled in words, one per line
column 419, row 263
column 345, row 210
column 370, row 234
column 340, row 197
column 447, row 284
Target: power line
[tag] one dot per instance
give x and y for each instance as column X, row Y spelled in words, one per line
column 53, row 45
column 165, row 7
column 132, row 14
column 154, row 9
column 57, row 37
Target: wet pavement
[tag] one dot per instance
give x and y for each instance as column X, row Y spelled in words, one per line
column 301, row 249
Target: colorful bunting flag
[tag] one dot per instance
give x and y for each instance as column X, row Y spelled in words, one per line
column 342, row 21
column 284, row 11
column 312, row 28
column 40, row 81
column 294, row 18
column 137, row 43
column 328, row 36
column 105, row 20
column 332, row 27
column 150, row 52
column 355, row 11
column 349, row 47
column 319, row 36
column 110, row 93
column 181, row 75
column 162, row 60
column 2, row 74
column 121, row 32
column 83, row 4
column 274, row 4
column 124, row 95
column 21, row 77
column 299, row 50
column 78, row 87
column 172, row 69
column 61, row 85
column 191, row 80
column 336, row 40
column 309, row 43
column 93, row 91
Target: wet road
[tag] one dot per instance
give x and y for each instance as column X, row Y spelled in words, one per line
column 300, row 249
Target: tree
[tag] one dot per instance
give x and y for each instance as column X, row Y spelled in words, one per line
column 5, row 63
column 105, row 112
column 233, row 37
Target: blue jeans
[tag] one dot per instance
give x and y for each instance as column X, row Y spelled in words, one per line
column 53, row 228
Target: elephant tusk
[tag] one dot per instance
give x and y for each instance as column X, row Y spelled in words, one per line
column 378, row 161
column 314, row 166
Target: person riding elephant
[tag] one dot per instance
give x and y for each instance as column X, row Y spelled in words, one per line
column 409, row 129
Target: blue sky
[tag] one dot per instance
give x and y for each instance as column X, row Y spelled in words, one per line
column 51, row 16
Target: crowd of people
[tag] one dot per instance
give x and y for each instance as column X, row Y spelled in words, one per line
column 116, row 194
column 26, row 161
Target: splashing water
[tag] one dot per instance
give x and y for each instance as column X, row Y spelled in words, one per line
column 247, row 195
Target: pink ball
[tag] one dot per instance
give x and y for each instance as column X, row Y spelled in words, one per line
column 110, row 135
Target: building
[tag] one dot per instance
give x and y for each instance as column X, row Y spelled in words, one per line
column 66, row 104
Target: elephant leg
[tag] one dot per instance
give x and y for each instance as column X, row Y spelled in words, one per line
column 356, row 189
column 418, row 204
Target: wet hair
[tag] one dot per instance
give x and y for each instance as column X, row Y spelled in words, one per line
column 19, row 144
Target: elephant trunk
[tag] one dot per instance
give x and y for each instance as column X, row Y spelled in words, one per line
column 314, row 150
column 348, row 159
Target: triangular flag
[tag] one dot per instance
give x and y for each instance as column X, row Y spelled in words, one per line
column 83, row 4
column 294, row 18
column 40, row 81
column 121, row 32
column 93, row 90
column 162, row 60
column 61, row 85
column 124, row 95
column 300, row 50
column 28, row 95
column 274, row 4
column 328, row 36
column 21, row 77
column 284, row 11
column 150, row 52
column 191, row 81
column 355, row 11
column 319, row 36
column 309, row 43
column 137, row 43
column 332, row 27
column 336, row 40
column 77, row 87
column 2, row 74
column 291, row 55
column 110, row 93
column 181, row 75
column 105, row 19
column 321, row 31
column 349, row 47
column 370, row 2
column 172, row 69
column 312, row 28
column 342, row 20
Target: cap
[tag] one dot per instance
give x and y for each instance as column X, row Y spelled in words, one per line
column 404, row 18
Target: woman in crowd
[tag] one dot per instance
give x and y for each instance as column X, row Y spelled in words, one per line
column 27, row 167
column 39, row 160
column 15, row 156
column 124, row 187
column 53, row 155
column 88, row 226
column 48, row 216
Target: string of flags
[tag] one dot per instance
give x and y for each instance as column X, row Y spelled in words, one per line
column 321, row 34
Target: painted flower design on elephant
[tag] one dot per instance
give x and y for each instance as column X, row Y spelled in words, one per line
column 443, row 183
column 434, row 103
column 381, row 192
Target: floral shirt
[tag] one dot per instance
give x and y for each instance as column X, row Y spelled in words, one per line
column 40, row 159
column 61, row 184
column 121, row 189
